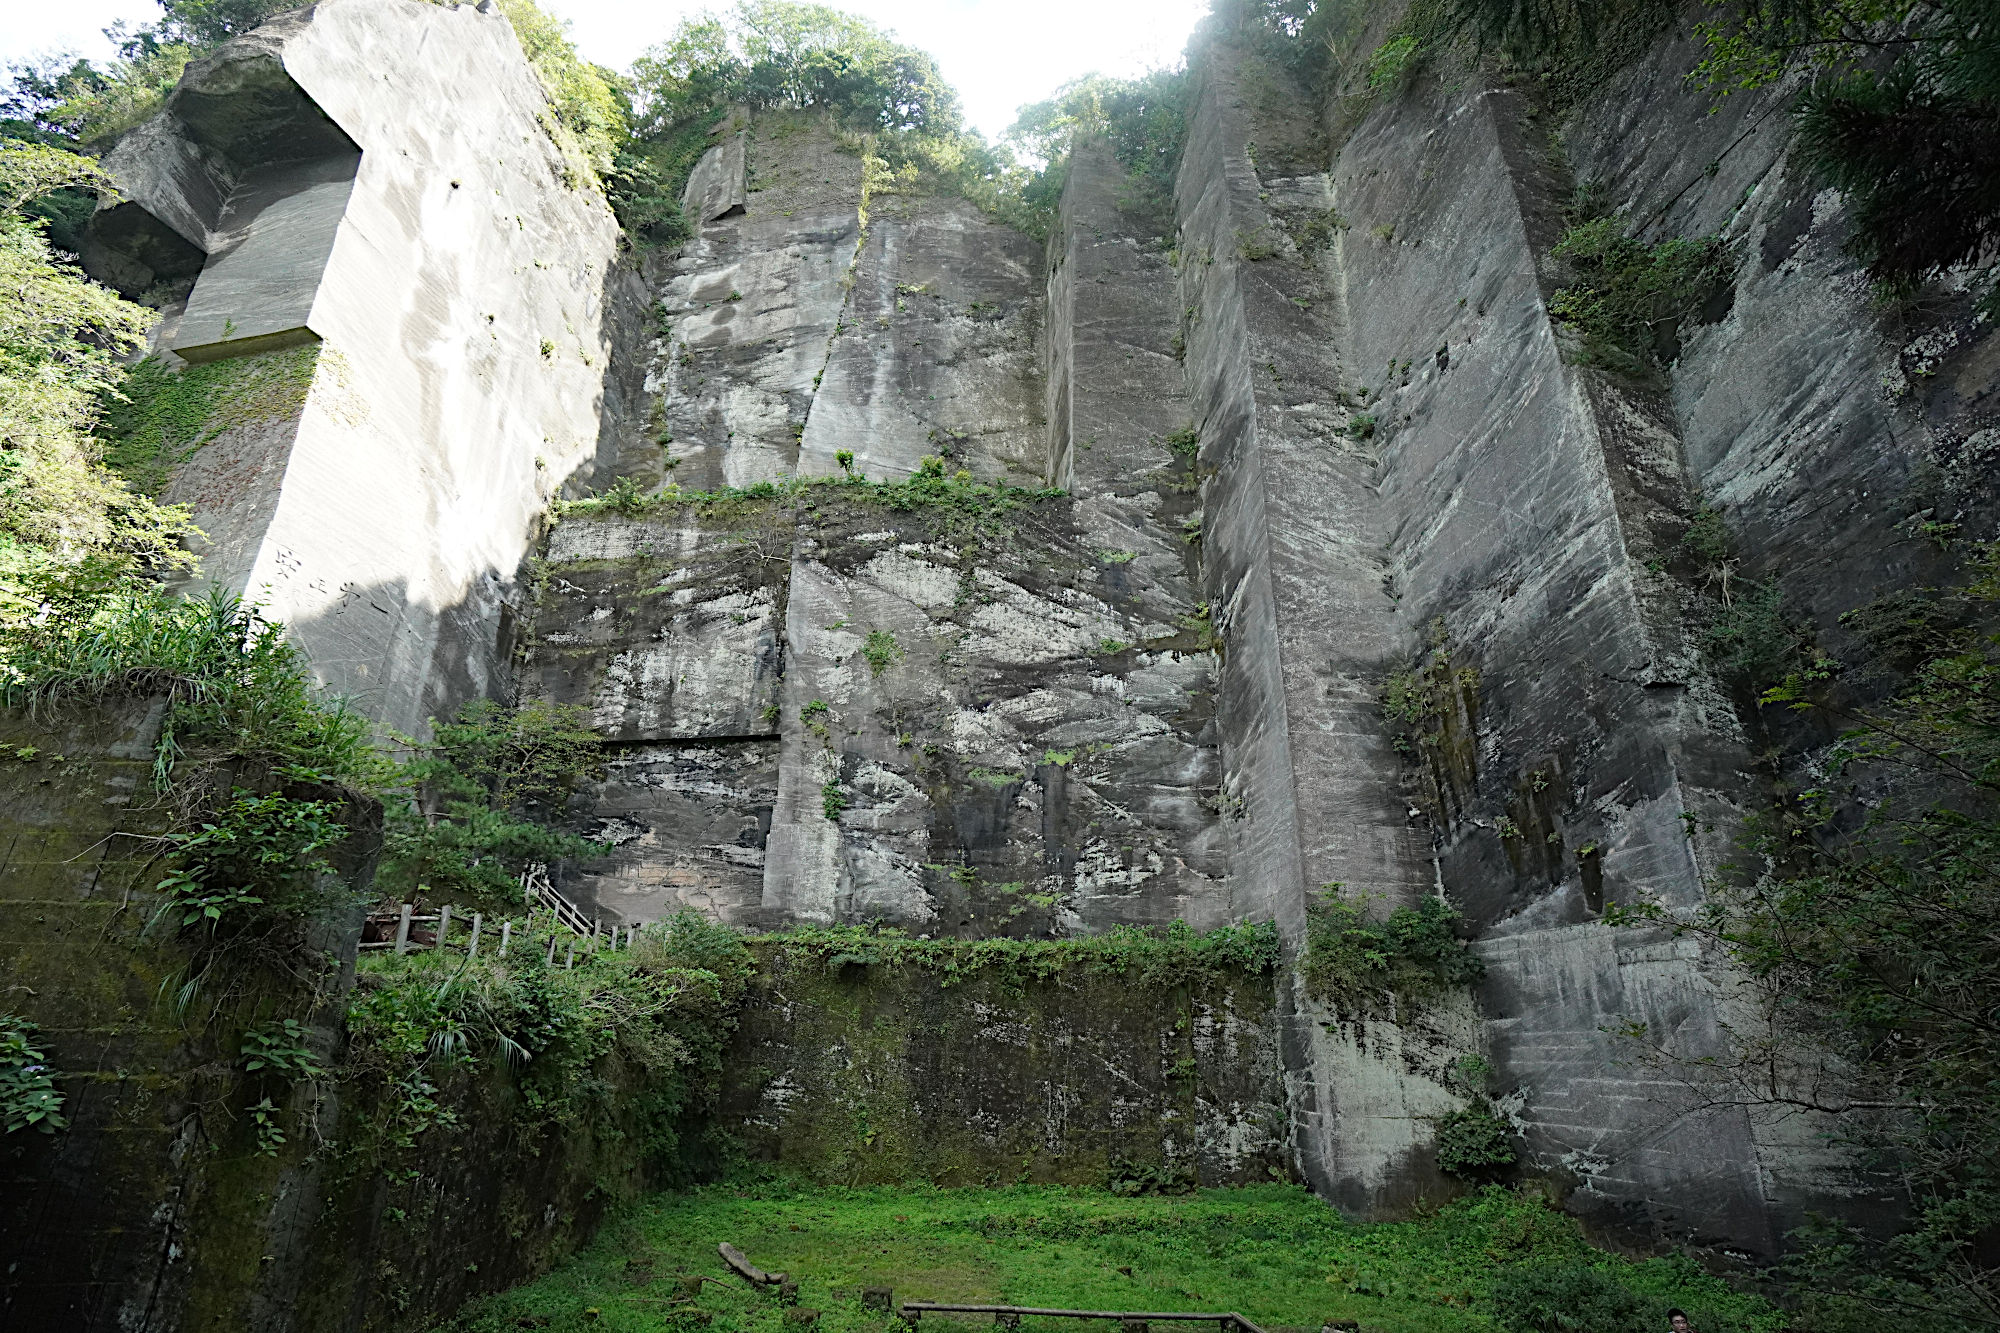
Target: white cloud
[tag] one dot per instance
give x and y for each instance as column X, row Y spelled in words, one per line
column 999, row 54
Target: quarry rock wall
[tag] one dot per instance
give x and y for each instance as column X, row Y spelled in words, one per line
column 1519, row 555
column 1318, row 431
column 1145, row 526
column 858, row 1075
column 155, row 1201
column 958, row 712
column 370, row 177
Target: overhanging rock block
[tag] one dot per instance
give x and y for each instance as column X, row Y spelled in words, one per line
column 718, row 187
column 242, row 179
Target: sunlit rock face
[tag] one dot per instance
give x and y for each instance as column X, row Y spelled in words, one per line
column 302, row 189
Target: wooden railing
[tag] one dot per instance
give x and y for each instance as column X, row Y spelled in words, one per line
column 1011, row 1314
column 536, row 887
column 537, row 892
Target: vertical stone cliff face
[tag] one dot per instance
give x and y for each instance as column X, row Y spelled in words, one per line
column 102, row 1224
column 1198, row 481
column 1318, row 432
column 845, row 706
column 369, row 178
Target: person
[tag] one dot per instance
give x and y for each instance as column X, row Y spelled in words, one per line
column 1677, row 1321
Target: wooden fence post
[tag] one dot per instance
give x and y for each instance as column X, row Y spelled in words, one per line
column 403, row 929
column 551, row 959
column 506, row 934
column 570, row 962
column 472, row 949
column 444, row 925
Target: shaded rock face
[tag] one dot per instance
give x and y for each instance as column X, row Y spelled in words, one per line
column 863, row 1076
column 127, row 1218
column 1318, row 434
column 972, row 724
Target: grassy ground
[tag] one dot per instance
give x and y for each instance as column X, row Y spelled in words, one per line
column 1273, row 1253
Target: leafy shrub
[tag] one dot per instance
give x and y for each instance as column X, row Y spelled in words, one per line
column 235, row 685
column 280, row 1046
column 1566, row 1298
column 1316, row 233
column 255, row 866
column 662, row 1008
column 1707, row 540
column 1631, row 299
column 648, row 175
column 1584, row 1297
column 1474, row 1142
column 833, row 800
column 881, row 650
column 480, row 799
column 28, row 1095
column 1407, row 697
column 1363, row 968
column 1177, row 955
column 1751, row 639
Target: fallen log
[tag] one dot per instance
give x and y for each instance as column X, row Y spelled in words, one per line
column 745, row 1269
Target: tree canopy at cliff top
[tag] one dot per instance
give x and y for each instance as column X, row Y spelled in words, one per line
column 773, row 53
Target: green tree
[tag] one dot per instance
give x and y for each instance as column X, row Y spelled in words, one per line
column 480, row 800
column 588, row 100
column 1902, row 113
column 70, row 529
column 1868, row 919
column 776, row 53
column 79, row 103
column 1142, row 120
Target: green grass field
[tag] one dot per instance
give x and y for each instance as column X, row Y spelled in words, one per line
column 1273, row 1253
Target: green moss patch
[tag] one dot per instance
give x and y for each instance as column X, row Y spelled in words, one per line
column 167, row 415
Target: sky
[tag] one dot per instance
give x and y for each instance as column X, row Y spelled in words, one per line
column 999, row 54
